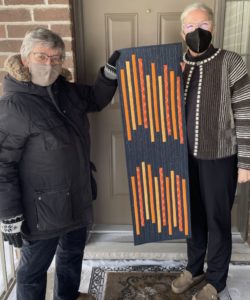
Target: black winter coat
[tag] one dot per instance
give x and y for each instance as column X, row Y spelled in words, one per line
column 44, row 153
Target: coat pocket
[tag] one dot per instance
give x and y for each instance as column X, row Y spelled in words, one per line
column 54, row 209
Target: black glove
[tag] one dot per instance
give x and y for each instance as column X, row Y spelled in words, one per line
column 110, row 67
column 11, row 229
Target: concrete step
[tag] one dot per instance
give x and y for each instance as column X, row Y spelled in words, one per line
column 116, row 242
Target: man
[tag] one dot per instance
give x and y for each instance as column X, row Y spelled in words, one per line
column 45, row 182
column 217, row 94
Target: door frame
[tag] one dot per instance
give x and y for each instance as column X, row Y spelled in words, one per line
column 77, row 7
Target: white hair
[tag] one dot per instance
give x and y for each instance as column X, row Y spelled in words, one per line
column 197, row 6
column 42, row 36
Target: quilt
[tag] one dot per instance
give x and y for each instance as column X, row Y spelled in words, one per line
column 153, row 115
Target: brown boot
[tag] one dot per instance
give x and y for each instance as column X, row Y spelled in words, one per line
column 208, row 292
column 84, row 296
column 185, row 281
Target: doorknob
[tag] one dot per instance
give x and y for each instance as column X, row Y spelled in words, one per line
column 148, row 11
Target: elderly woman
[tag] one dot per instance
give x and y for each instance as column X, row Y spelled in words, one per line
column 217, row 95
column 45, row 181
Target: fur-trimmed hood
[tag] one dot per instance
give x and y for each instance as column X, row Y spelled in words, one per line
column 14, row 66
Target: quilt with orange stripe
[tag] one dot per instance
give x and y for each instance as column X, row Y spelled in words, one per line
column 151, row 97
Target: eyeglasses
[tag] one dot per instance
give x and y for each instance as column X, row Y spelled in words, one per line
column 206, row 25
column 43, row 58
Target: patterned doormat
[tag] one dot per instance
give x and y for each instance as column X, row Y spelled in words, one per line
column 147, row 282
column 139, row 285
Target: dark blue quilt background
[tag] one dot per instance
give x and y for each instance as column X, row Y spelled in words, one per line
column 170, row 155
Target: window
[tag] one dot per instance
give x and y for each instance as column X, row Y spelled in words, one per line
column 237, row 29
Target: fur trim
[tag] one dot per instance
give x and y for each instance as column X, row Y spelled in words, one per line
column 14, row 66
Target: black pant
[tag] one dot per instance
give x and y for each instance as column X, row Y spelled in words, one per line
column 36, row 257
column 212, row 191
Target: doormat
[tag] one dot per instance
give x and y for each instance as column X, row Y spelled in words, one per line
column 152, row 106
column 143, row 286
column 99, row 275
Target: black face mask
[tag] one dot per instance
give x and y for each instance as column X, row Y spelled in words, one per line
column 198, row 40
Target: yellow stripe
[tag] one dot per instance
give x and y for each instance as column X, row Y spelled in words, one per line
column 125, row 101
column 184, row 193
column 157, row 125
column 137, row 94
column 131, row 98
column 158, row 208
column 163, row 128
column 145, row 189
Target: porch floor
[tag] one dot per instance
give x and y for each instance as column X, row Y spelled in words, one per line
column 114, row 247
column 116, row 242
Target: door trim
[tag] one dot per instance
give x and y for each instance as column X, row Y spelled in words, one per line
column 77, row 7
column 219, row 21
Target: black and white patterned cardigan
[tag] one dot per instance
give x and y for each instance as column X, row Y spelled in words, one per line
column 222, row 117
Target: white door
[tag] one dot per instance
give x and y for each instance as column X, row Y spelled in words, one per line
column 110, row 25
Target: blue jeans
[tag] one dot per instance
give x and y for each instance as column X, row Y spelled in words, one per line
column 36, row 257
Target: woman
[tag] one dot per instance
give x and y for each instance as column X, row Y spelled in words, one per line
column 45, row 183
column 217, row 95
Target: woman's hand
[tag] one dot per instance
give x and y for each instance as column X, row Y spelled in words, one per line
column 243, row 175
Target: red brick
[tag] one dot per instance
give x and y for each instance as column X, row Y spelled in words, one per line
column 62, row 30
column 2, row 60
column 68, row 46
column 2, row 74
column 58, row 2
column 15, row 15
column 18, row 31
column 2, row 31
column 52, row 14
column 10, row 46
column 18, row 2
column 68, row 63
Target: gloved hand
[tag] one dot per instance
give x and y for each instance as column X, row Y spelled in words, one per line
column 110, row 67
column 11, row 229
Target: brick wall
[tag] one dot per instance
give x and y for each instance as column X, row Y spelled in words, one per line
column 19, row 16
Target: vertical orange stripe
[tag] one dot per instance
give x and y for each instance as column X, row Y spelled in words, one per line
column 170, row 229
column 163, row 129
column 154, row 87
column 163, row 203
column 158, row 208
column 179, row 109
column 151, row 194
column 131, row 97
column 137, row 94
column 172, row 176
column 145, row 189
column 184, row 195
column 165, row 68
column 139, row 187
column 125, row 103
column 173, row 108
column 151, row 121
column 137, row 224
column 179, row 203
column 143, row 93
